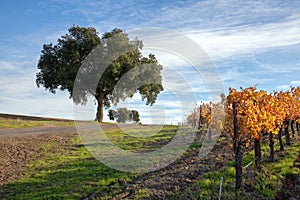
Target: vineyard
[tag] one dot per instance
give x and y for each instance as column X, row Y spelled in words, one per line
column 254, row 139
column 248, row 117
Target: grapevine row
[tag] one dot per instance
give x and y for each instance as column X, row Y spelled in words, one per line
column 247, row 115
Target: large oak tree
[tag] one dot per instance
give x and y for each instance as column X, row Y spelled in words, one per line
column 59, row 64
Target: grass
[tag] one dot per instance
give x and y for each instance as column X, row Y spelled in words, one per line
column 127, row 139
column 70, row 172
column 269, row 181
column 66, row 174
column 13, row 123
column 262, row 184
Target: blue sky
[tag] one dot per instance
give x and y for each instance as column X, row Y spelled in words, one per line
column 250, row 43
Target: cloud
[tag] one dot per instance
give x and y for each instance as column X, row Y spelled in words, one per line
column 20, row 95
column 283, row 87
column 7, row 66
column 295, row 83
column 191, row 14
column 166, row 109
column 224, row 43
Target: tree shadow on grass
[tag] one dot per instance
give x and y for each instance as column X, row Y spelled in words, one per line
column 71, row 179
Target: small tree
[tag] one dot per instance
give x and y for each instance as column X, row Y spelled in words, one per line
column 135, row 116
column 111, row 114
column 123, row 115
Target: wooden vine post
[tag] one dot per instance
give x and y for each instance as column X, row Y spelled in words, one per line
column 287, row 132
column 280, row 139
column 257, row 152
column 271, row 145
column 237, row 149
column 293, row 128
column 200, row 117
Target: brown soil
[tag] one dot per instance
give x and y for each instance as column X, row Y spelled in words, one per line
column 20, row 146
column 34, row 131
column 18, row 151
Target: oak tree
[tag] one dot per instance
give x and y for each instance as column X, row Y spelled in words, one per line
column 59, row 64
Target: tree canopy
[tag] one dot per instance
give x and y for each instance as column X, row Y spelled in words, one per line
column 123, row 115
column 59, row 64
column 135, row 116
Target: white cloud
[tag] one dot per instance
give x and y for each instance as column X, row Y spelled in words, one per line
column 7, row 66
column 224, row 43
column 295, row 82
column 20, row 95
column 58, row 106
column 182, row 14
column 283, row 87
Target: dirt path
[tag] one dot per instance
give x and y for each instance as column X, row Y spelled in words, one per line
column 34, row 131
column 43, row 130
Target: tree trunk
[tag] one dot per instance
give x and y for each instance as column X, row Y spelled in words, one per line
column 280, row 139
column 238, row 166
column 287, row 133
column 271, row 145
column 99, row 115
column 297, row 127
column 293, row 128
column 257, row 152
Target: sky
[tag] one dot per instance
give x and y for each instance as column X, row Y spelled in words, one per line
column 248, row 42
